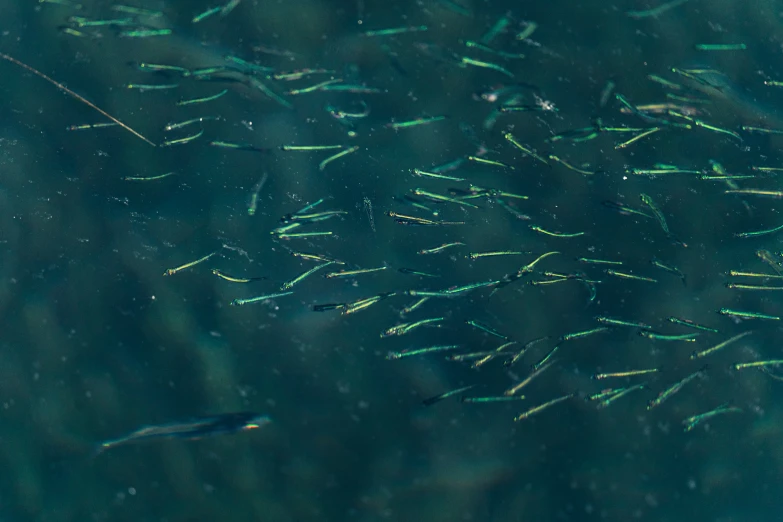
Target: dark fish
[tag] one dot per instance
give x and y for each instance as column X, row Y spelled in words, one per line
column 191, row 429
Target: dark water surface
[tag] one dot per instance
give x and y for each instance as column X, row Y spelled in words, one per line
column 96, row 342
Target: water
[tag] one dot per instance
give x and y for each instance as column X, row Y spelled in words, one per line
column 98, row 343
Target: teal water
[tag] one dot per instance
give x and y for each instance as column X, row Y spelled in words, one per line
column 97, row 342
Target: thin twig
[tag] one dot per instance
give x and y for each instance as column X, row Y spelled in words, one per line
column 73, row 94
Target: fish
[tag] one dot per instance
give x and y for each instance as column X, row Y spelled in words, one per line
column 190, row 429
